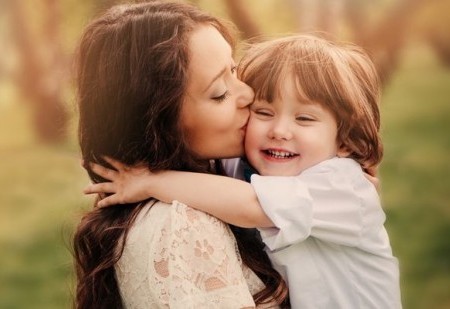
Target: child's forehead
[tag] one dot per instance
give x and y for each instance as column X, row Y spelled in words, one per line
column 294, row 97
column 285, row 91
column 291, row 80
column 291, row 88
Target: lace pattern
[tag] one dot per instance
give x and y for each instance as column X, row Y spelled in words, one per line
column 176, row 257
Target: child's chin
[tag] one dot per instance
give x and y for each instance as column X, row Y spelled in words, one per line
column 281, row 172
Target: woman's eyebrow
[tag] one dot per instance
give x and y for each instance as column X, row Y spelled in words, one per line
column 216, row 77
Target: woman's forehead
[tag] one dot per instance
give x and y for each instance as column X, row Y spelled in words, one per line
column 209, row 53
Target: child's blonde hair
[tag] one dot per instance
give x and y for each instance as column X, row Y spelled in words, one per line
column 340, row 77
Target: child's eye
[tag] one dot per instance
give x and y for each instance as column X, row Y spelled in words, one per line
column 263, row 113
column 222, row 97
column 304, row 118
column 233, row 69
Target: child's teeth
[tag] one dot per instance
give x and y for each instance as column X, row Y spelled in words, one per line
column 280, row 154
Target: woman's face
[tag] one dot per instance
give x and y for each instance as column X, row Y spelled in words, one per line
column 215, row 111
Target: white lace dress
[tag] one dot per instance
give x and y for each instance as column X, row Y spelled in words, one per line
column 178, row 257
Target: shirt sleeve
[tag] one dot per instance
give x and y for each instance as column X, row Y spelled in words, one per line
column 331, row 201
column 197, row 263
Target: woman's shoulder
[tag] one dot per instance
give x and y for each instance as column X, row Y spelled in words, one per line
column 185, row 255
column 176, row 214
column 163, row 229
column 159, row 224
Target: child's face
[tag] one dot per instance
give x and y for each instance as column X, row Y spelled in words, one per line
column 286, row 137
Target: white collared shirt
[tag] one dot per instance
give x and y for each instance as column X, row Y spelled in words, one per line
column 329, row 241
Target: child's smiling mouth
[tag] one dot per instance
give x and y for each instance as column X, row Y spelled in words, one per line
column 279, row 154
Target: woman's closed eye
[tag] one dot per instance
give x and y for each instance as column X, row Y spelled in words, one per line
column 221, row 97
column 226, row 94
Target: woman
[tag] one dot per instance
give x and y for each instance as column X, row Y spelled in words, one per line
column 157, row 84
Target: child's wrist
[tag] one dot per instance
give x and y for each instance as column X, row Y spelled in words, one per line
column 155, row 185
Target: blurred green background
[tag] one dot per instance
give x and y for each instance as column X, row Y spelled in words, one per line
column 41, row 179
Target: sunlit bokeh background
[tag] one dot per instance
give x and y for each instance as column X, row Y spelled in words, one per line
column 41, row 178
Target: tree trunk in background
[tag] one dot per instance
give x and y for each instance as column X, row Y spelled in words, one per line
column 102, row 5
column 324, row 16
column 41, row 76
column 305, row 12
column 242, row 17
column 386, row 39
column 330, row 16
column 440, row 42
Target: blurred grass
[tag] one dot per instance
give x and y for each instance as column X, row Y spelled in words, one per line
column 40, row 194
column 414, row 174
column 40, row 198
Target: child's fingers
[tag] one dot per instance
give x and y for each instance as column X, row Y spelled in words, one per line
column 114, row 163
column 104, row 187
column 108, row 201
column 103, row 171
column 372, row 171
column 374, row 180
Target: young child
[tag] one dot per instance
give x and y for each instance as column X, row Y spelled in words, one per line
column 313, row 131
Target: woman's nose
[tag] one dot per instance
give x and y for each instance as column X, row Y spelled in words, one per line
column 246, row 95
column 280, row 130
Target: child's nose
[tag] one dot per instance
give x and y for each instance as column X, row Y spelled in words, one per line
column 280, row 131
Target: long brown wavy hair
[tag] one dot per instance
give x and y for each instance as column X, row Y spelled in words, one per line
column 131, row 77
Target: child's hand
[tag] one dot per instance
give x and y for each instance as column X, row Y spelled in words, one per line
column 128, row 184
column 371, row 175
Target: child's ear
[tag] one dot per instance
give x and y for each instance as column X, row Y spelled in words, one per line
column 343, row 151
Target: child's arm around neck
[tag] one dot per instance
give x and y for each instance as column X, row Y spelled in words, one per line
column 231, row 200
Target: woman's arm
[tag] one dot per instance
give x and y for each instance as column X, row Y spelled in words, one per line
column 231, row 200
